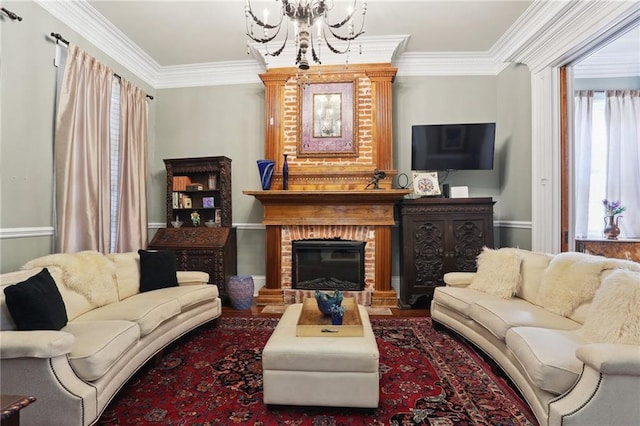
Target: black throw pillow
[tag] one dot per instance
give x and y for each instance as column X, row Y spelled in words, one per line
column 157, row 270
column 36, row 304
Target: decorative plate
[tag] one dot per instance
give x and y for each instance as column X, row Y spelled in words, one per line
column 426, row 184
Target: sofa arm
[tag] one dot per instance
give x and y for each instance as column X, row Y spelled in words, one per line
column 458, row 279
column 192, row 277
column 606, row 392
column 35, row 344
column 608, row 358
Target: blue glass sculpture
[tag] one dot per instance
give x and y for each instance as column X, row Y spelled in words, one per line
column 265, row 167
column 326, row 300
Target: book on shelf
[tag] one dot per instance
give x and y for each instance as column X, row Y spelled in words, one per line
column 180, row 183
column 195, row 187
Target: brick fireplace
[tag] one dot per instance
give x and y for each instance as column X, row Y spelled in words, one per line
column 365, row 215
column 327, row 194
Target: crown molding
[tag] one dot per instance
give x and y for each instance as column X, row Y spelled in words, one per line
column 82, row 18
column 364, row 50
column 413, row 64
column 209, row 74
column 526, row 28
column 558, row 33
column 533, row 39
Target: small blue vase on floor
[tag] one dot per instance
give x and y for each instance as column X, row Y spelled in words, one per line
column 240, row 289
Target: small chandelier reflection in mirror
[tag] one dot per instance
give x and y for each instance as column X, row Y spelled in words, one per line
column 307, row 17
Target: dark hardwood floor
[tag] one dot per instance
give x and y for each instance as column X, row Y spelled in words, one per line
column 256, row 311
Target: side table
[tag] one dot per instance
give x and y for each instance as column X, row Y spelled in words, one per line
column 11, row 406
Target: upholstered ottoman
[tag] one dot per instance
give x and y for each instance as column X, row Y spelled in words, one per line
column 320, row 371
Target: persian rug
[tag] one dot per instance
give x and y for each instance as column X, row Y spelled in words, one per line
column 213, row 376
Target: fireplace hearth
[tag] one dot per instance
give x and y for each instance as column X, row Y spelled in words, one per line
column 328, row 264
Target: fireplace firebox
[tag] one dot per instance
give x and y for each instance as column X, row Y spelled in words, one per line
column 328, row 264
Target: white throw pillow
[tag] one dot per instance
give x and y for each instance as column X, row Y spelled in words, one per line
column 498, row 272
column 614, row 316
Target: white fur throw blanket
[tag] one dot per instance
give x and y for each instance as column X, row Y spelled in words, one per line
column 614, row 316
column 572, row 279
column 87, row 272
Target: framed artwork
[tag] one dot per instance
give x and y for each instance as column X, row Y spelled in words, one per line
column 426, row 184
column 327, row 122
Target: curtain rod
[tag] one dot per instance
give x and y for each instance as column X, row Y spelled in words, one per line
column 61, row 39
column 11, row 15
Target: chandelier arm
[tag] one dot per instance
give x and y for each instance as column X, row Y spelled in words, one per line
column 338, row 51
column 263, row 40
column 268, row 39
column 343, row 38
column 347, row 19
column 264, row 24
column 281, row 49
column 314, row 55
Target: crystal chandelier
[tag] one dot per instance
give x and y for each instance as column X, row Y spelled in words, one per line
column 305, row 15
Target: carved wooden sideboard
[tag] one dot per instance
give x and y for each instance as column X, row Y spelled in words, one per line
column 440, row 235
column 619, row 249
column 211, row 250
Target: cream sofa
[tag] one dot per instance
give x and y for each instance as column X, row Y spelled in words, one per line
column 76, row 371
column 569, row 338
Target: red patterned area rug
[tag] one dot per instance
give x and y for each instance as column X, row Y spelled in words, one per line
column 213, row 376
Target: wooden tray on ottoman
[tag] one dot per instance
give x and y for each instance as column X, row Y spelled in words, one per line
column 313, row 323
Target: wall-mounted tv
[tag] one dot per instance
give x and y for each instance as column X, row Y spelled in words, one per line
column 452, row 146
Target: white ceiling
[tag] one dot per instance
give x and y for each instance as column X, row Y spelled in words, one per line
column 192, row 32
column 620, row 58
column 180, row 43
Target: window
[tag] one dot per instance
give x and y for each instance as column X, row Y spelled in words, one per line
column 597, row 187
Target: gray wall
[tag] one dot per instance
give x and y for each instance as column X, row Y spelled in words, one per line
column 27, row 82
column 229, row 120
column 513, row 158
column 221, row 120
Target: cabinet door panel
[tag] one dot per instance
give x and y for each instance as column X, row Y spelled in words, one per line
column 429, row 248
column 468, row 240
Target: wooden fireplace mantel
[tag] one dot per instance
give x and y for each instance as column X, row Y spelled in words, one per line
column 373, row 207
column 366, row 207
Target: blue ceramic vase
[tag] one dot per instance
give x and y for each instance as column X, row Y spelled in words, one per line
column 240, row 290
column 265, row 168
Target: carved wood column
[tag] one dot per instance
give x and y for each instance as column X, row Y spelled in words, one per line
column 383, row 129
column 274, row 83
column 383, row 294
column 272, row 292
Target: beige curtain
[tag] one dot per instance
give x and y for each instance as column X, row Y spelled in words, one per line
column 132, row 204
column 82, row 155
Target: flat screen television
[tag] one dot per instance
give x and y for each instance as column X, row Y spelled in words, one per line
column 452, row 146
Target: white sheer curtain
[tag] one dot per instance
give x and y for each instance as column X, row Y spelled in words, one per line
column 583, row 107
column 622, row 112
